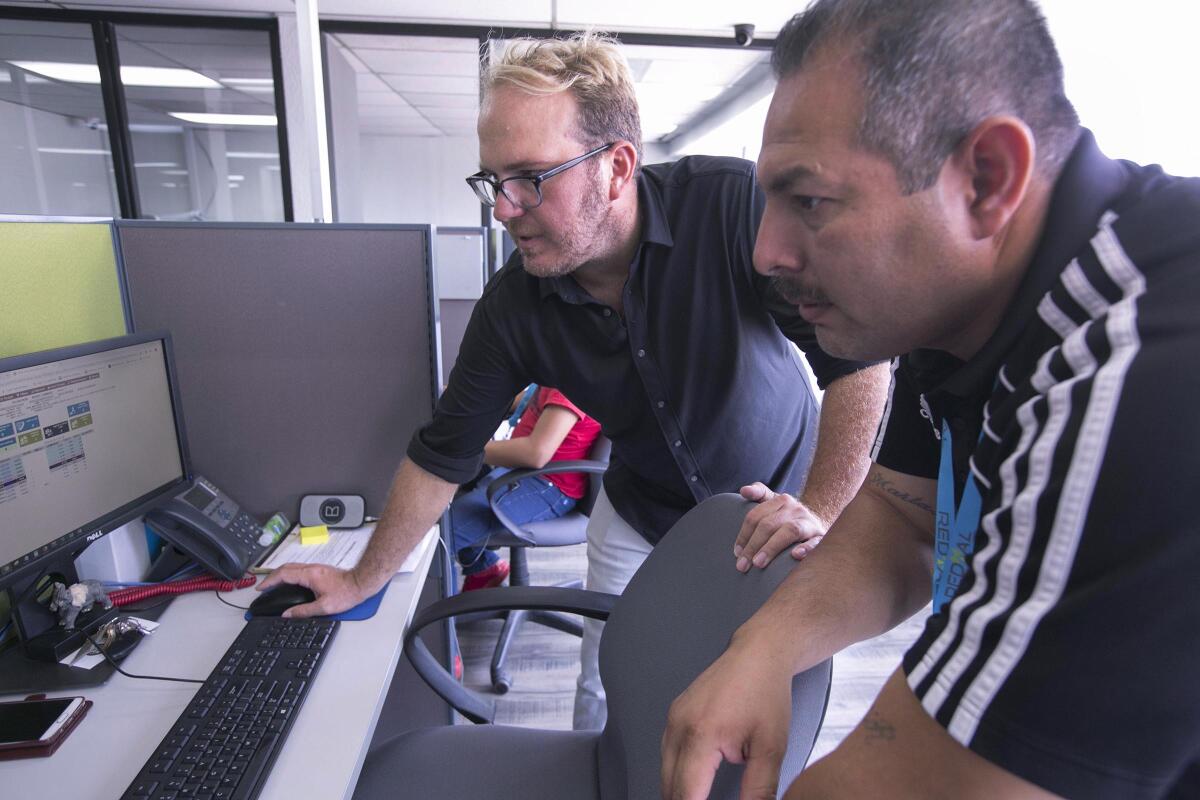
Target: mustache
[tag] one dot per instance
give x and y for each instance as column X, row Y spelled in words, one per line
column 796, row 292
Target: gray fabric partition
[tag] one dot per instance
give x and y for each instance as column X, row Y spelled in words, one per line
column 455, row 315
column 305, row 353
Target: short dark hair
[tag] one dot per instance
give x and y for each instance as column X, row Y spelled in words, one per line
column 934, row 69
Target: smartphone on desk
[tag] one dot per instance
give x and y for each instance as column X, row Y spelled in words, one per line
column 36, row 724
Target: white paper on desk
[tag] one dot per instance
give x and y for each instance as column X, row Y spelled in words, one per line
column 344, row 548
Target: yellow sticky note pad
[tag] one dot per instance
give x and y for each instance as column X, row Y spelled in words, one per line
column 314, row 534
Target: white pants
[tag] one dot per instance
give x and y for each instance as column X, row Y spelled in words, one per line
column 614, row 553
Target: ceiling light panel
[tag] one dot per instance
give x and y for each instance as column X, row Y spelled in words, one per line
column 223, row 120
column 164, row 77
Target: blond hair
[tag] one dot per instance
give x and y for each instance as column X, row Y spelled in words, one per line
column 590, row 66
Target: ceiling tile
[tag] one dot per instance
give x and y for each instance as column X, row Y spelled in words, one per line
column 509, row 12
column 384, row 98
column 426, row 100
column 388, row 112
column 369, row 82
column 466, row 115
column 438, row 84
column 406, row 62
column 437, row 44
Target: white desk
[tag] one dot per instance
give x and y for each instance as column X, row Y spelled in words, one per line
column 324, row 751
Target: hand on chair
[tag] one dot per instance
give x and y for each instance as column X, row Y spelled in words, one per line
column 738, row 710
column 780, row 521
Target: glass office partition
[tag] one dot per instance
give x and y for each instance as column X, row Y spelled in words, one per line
column 202, row 122
column 54, row 144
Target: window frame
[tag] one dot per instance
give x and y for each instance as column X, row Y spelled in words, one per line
column 108, row 59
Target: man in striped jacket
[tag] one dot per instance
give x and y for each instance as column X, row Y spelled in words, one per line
column 932, row 196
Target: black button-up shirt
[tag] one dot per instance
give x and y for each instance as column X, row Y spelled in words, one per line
column 697, row 386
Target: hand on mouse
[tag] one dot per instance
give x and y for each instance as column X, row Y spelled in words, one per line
column 336, row 589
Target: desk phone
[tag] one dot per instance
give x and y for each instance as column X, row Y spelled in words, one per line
column 211, row 527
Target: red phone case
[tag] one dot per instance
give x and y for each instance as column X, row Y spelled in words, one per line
column 47, row 748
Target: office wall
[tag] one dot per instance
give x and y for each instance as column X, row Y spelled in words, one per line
column 461, row 274
column 58, row 285
column 418, row 179
column 344, row 132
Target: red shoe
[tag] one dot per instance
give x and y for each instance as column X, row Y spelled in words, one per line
column 486, row 579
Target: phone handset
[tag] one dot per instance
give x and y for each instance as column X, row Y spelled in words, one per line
column 208, row 525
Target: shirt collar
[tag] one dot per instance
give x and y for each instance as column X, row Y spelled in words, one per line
column 655, row 230
column 1085, row 188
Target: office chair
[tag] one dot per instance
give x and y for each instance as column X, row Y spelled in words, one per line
column 673, row 620
column 571, row 528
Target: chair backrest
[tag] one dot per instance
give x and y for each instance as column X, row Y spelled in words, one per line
column 601, row 448
column 673, row 620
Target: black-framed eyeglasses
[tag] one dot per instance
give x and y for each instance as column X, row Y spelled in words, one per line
column 523, row 191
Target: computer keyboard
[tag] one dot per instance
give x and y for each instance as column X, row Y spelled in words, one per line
column 225, row 741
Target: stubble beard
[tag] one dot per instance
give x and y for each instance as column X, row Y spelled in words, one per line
column 583, row 241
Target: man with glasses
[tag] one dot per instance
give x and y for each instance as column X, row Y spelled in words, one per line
column 633, row 292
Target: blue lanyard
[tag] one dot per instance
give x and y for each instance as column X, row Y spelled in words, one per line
column 955, row 527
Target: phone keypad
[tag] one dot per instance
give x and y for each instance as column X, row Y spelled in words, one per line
column 246, row 529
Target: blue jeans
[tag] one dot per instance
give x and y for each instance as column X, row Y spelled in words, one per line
column 473, row 523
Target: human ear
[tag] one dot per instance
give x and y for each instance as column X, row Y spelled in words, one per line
column 624, row 167
column 999, row 157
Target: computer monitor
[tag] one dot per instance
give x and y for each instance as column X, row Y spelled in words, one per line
column 90, row 438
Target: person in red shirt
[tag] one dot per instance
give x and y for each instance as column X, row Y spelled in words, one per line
column 552, row 428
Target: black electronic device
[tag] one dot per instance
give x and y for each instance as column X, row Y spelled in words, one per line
column 225, row 741
column 279, row 598
column 90, row 439
column 211, row 526
column 35, row 722
column 333, row 510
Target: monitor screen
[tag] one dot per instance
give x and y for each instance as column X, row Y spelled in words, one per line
column 88, row 436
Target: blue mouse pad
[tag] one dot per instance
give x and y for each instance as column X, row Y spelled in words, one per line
column 364, row 610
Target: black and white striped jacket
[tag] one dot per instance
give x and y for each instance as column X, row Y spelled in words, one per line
column 1070, row 654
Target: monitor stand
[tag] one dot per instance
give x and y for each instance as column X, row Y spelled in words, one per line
column 32, row 665
column 20, row 674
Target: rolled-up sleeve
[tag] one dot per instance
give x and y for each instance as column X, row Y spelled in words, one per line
column 482, row 385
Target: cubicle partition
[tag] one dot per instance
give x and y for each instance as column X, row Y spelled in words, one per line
column 58, row 285
column 461, row 265
column 306, row 353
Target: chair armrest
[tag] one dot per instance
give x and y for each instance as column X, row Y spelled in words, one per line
column 517, row 475
column 472, row 705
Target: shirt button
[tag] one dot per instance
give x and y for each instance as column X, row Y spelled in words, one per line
column 661, row 404
column 695, row 478
column 641, row 353
column 678, row 442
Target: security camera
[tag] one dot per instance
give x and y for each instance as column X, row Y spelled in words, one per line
column 743, row 34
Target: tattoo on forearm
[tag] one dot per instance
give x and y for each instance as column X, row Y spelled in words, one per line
column 878, row 728
column 881, row 483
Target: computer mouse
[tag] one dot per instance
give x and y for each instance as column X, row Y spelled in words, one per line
column 280, row 598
